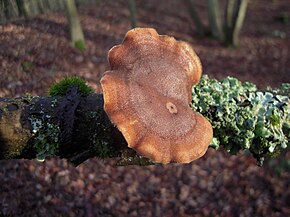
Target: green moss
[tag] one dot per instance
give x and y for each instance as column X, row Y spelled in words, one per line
column 27, row 65
column 80, row 44
column 61, row 88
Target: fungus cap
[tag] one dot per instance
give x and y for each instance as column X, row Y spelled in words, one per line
column 147, row 95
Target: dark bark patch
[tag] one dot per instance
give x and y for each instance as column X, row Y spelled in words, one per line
column 1, row 113
column 25, row 101
column 12, row 107
column 66, row 114
column 2, row 146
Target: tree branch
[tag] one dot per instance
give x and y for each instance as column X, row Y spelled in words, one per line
column 76, row 127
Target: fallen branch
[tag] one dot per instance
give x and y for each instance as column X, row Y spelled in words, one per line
column 76, row 127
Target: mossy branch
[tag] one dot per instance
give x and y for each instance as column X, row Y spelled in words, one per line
column 74, row 125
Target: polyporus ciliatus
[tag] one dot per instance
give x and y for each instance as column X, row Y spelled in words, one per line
column 147, row 94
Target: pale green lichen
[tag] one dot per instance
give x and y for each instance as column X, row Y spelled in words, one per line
column 54, row 103
column 244, row 118
column 46, row 137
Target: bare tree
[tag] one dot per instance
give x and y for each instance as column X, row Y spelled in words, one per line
column 76, row 32
column 229, row 30
column 234, row 18
column 195, row 17
column 215, row 19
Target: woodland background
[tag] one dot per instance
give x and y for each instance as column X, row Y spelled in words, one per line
column 35, row 53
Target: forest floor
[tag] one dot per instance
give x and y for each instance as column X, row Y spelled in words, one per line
column 34, row 53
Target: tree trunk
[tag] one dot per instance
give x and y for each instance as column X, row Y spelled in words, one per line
column 76, row 32
column 234, row 18
column 23, row 8
column 41, row 8
column 9, row 9
column 201, row 30
column 2, row 14
column 214, row 18
column 61, row 5
column 133, row 13
column 50, row 4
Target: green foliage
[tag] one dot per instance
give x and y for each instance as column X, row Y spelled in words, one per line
column 80, row 44
column 244, row 118
column 61, row 88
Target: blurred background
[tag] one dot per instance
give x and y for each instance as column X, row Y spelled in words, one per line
column 41, row 42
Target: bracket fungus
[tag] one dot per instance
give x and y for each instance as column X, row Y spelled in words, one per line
column 147, row 94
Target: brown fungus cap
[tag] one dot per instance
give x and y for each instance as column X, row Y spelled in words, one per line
column 147, row 95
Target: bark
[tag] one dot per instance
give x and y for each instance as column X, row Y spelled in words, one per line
column 84, row 128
